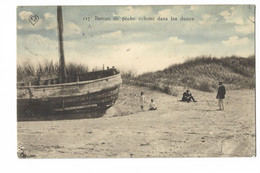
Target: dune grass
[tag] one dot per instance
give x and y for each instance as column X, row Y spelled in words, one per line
column 27, row 72
column 201, row 73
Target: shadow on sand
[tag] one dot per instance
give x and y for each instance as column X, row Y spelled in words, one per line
column 54, row 117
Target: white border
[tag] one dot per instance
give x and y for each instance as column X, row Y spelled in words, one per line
column 9, row 161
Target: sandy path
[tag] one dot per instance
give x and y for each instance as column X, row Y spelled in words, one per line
column 176, row 129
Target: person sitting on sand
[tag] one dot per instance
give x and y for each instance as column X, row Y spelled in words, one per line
column 187, row 97
column 142, row 100
column 221, row 96
column 152, row 106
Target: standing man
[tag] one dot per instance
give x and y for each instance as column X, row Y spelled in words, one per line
column 142, row 101
column 221, row 96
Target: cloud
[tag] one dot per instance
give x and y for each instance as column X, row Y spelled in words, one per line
column 71, row 28
column 175, row 11
column 247, row 27
column 35, row 47
column 238, row 19
column 225, row 14
column 37, row 42
column 37, row 37
column 232, row 16
column 176, row 40
column 26, row 25
column 236, row 41
column 116, row 34
column 48, row 15
column 165, row 13
column 19, row 26
column 24, row 15
column 194, row 7
column 138, row 35
column 153, row 45
column 133, row 11
column 51, row 26
column 207, row 19
column 48, row 21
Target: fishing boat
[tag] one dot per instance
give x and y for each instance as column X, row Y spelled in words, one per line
column 86, row 95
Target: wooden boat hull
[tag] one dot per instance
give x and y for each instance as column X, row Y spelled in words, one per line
column 87, row 99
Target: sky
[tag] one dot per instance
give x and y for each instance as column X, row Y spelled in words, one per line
column 138, row 45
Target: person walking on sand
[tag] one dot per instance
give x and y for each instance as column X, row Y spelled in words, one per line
column 142, row 100
column 152, row 106
column 221, row 96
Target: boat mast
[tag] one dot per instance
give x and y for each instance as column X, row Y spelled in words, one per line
column 62, row 70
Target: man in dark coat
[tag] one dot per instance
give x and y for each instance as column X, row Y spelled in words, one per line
column 221, row 96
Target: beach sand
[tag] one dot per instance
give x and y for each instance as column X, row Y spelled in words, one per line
column 176, row 129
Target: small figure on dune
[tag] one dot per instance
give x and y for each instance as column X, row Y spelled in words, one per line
column 221, row 96
column 187, row 97
column 152, row 106
column 142, row 100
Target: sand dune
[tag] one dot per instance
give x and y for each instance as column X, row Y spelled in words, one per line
column 176, row 129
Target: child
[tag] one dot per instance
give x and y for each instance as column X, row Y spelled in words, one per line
column 152, row 106
column 142, row 100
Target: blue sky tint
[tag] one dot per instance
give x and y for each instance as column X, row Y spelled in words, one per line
column 221, row 30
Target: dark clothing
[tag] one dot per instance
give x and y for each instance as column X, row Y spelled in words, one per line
column 221, row 92
column 152, row 109
column 187, row 97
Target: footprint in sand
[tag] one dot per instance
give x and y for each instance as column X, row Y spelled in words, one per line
column 144, row 144
column 203, row 139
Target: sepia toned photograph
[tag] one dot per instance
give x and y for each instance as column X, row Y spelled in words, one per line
column 140, row 81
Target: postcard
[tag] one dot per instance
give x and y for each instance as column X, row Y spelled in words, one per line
column 151, row 81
